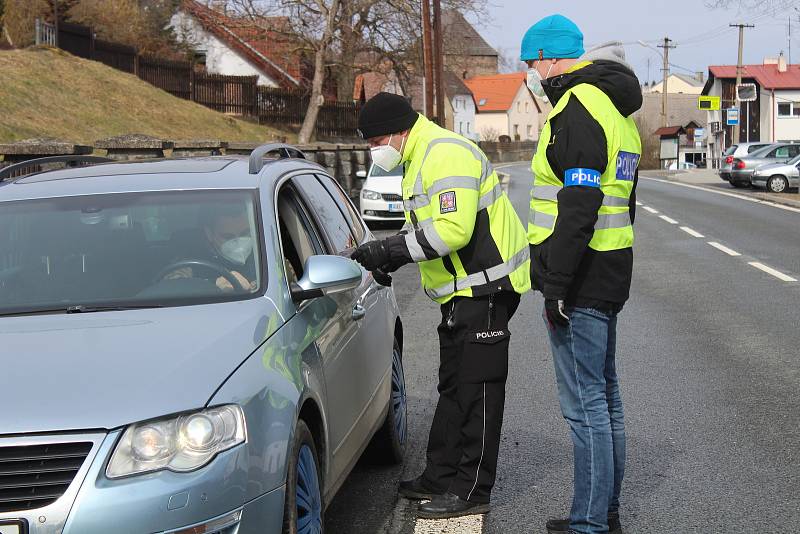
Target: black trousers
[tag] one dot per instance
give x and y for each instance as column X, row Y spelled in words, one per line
column 465, row 435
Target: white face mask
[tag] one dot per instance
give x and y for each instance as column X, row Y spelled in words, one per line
column 534, row 82
column 237, row 250
column 386, row 156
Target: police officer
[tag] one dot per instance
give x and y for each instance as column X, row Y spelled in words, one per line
column 581, row 233
column 473, row 256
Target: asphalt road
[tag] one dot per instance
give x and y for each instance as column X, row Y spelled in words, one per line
column 709, row 361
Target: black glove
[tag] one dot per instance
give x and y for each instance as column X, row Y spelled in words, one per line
column 556, row 312
column 382, row 278
column 372, row 255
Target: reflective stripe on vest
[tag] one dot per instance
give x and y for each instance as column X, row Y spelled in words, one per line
column 490, row 275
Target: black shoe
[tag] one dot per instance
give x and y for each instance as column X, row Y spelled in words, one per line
column 562, row 525
column 417, row 489
column 449, row 505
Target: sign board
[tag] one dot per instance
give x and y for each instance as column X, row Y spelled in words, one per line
column 699, row 133
column 708, row 103
column 732, row 116
column 715, row 127
column 669, row 148
column 746, row 92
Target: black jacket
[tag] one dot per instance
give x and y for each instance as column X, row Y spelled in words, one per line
column 563, row 266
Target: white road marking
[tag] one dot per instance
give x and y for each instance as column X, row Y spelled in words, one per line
column 724, row 249
column 727, row 194
column 651, row 210
column 471, row 524
column 665, row 218
column 769, row 270
column 639, row 203
column 691, row 232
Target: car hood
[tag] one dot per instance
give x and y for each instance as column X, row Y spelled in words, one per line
column 385, row 184
column 109, row 369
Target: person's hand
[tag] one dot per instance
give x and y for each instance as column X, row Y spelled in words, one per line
column 225, row 285
column 382, row 278
column 177, row 274
column 556, row 312
column 372, row 255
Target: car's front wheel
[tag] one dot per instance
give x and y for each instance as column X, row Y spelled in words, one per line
column 389, row 444
column 777, row 184
column 303, row 510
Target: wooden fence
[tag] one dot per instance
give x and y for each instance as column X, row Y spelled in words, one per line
column 234, row 95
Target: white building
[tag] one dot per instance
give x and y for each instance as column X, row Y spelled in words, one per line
column 773, row 116
column 505, row 107
column 236, row 47
column 680, row 84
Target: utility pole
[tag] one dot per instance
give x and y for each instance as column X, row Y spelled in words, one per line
column 790, row 40
column 739, row 69
column 55, row 20
column 666, row 46
column 438, row 53
column 427, row 57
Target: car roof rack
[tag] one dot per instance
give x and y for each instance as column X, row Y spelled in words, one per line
column 12, row 172
column 284, row 150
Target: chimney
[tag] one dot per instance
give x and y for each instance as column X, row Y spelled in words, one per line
column 781, row 63
column 700, row 75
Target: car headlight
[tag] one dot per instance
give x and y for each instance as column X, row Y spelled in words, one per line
column 182, row 443
column 370, row 195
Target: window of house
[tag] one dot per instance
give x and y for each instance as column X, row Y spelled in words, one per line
column 530, row 131
column 789, row 109
column 519, row 107
column 516, row 132
column 460, row 127
column 527, row 108
column 468, row 128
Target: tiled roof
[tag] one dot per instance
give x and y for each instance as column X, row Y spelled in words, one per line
column 497, row 92
column 461, row 38
column 767, row 76
column 690, row 80
column 370, row 84
column 454, row 85
column 669, row 131
column 267, row 49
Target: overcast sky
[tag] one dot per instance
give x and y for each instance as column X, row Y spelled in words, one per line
column 701, row 34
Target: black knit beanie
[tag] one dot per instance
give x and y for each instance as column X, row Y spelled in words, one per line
column 384, row 114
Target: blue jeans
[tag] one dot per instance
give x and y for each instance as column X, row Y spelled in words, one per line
column 588, row 391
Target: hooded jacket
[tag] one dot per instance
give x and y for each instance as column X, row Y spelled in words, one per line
column 563, row 266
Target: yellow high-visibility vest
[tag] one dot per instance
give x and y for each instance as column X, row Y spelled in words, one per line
column 613, row 230
column 453, row 198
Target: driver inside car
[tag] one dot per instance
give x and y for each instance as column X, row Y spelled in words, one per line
column 226, row 239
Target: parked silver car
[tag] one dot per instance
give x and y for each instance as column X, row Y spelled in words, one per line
column 742, row 168
column 187, row 348
column 736, row 151
column 778, row 177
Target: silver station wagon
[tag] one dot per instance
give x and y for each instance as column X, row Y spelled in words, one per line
column 186, row 347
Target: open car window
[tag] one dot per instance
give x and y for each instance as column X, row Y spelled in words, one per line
column 129, row 250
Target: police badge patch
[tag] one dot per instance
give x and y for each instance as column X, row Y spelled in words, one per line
column 447, row 202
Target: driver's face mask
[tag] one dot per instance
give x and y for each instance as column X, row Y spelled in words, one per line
column 237, row 250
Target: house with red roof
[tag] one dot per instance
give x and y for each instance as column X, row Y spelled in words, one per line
column 505, row 107
column 239, row 46
column 774, row 115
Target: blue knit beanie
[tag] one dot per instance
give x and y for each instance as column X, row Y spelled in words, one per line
column 552, row 37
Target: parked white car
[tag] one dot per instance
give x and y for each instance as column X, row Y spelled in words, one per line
column 381, row 196
column 684, row 166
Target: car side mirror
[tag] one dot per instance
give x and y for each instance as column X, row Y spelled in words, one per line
column 326, row 275
column 361, row 174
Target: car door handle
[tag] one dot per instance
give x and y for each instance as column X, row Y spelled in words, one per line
column 358, row 312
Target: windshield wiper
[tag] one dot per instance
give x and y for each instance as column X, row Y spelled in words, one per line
column 90, row 309
column 81, row 309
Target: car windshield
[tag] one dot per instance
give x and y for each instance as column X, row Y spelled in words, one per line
column 377, row 171
column 128, row 250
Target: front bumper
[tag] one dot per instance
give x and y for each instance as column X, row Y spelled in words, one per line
column 760, row 181
column 379, row 210
column 159, row 502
